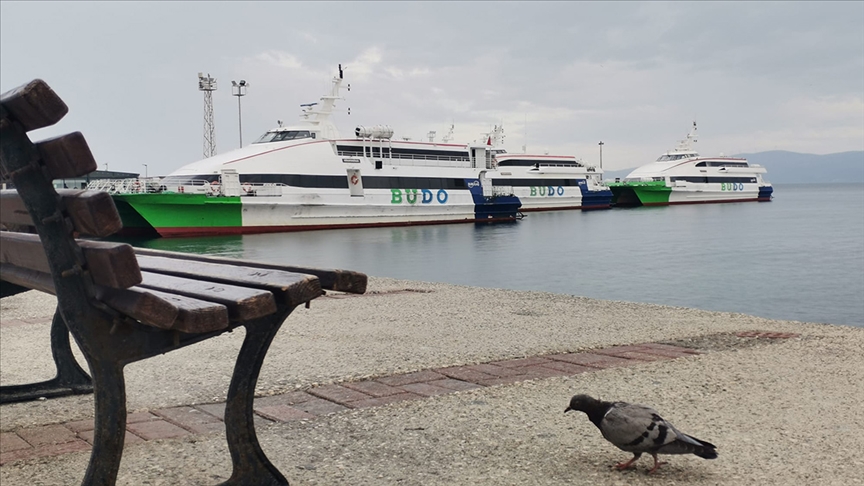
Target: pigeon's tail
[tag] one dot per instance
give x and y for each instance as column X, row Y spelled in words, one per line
column 702, row 449
column 707, row 451
column 690, row 445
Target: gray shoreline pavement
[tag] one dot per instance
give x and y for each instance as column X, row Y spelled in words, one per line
column 780, row 413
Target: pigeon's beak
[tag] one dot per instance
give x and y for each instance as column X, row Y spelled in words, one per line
column 567, row 409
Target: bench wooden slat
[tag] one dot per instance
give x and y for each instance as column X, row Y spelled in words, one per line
column 288, row 288
column 150, row 307
column 243, row 303
column 92, row 213
column 67, row 156
column 337, row 280
column 193, row 315
column 26, row 277
column 139, row 305
column 8, row 289
column 34, row 105
column 110, row 264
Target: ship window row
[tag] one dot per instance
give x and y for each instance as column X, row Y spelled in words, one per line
column 721, row 164
column 341, row 181
column 714, row 180
column 531, row 163
column 401, row 153
column 412, row 183
column 536, row 182
column 285, row 135
column 189, row 180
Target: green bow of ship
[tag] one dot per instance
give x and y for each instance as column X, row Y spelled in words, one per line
column 635, row 193
column 176, row 213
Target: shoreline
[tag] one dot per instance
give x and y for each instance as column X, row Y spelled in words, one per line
column 404, row 326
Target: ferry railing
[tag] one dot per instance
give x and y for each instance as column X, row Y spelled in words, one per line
column 502, row 191
column 262, row 189
column 216, row 189
column 126, row 186
column 188, row 186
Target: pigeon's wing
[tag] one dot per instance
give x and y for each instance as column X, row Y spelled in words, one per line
column 685, row 444
column 635, row 428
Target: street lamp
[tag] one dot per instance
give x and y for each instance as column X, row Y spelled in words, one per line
column 238, row 90
column 601, row 153
column 145, row 170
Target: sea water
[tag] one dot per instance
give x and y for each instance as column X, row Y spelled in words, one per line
column 798, row 257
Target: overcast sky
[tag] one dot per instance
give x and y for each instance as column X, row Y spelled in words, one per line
column 560, row 76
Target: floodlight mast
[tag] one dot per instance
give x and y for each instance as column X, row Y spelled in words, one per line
column 238, row 90
column 601, row 144
column 208, row 86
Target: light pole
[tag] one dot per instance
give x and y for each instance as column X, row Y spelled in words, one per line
column 601, row 153
column 238, row 90
column 145, row 170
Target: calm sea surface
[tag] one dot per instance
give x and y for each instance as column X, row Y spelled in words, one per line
column 799, row 257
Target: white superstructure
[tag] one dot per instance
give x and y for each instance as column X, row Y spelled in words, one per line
column 309, row 176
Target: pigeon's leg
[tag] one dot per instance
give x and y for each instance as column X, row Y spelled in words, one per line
column 625, row 465
column 657, row 464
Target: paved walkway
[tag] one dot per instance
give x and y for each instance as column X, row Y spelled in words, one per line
column 426, row 384
column 184, row 421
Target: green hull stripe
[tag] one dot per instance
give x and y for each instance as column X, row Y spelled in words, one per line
column 648, row 192
column 176, row 210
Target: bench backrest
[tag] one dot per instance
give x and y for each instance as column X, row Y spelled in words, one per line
column 168, row 290
column 78, row 272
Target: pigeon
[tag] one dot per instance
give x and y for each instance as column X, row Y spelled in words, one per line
column 639, row 429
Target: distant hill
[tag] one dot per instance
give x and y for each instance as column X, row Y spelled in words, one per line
column 792, row 168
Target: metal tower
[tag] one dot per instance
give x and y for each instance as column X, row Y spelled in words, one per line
column 208, row 86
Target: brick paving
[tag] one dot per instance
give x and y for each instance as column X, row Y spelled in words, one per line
column 183, row 421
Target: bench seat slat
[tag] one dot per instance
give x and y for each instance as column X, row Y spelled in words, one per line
column 194, row 316
column 92, row 213
column 8, row 289
column 243, row 303
column 143, row 307
column 110, row 264
column 337, row 280
column 150, row 307
column 288, row 288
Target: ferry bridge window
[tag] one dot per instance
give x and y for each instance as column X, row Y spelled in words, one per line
column 285, row 135
column 668, row 158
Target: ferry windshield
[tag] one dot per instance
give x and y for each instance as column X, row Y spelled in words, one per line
column 276, row 136
column 667, row 158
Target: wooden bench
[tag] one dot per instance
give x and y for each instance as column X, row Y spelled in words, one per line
column 123, row 305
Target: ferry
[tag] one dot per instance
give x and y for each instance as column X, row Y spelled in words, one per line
column 308, row 176
column 551, row 182
column 682, row 176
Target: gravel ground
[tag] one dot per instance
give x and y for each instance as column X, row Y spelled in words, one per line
column 780, row 411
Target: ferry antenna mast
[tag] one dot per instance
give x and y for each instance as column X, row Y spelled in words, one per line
column 208, row 86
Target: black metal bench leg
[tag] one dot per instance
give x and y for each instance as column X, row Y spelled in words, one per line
column 110, row 430
column 71, row 379
column 251, row 466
